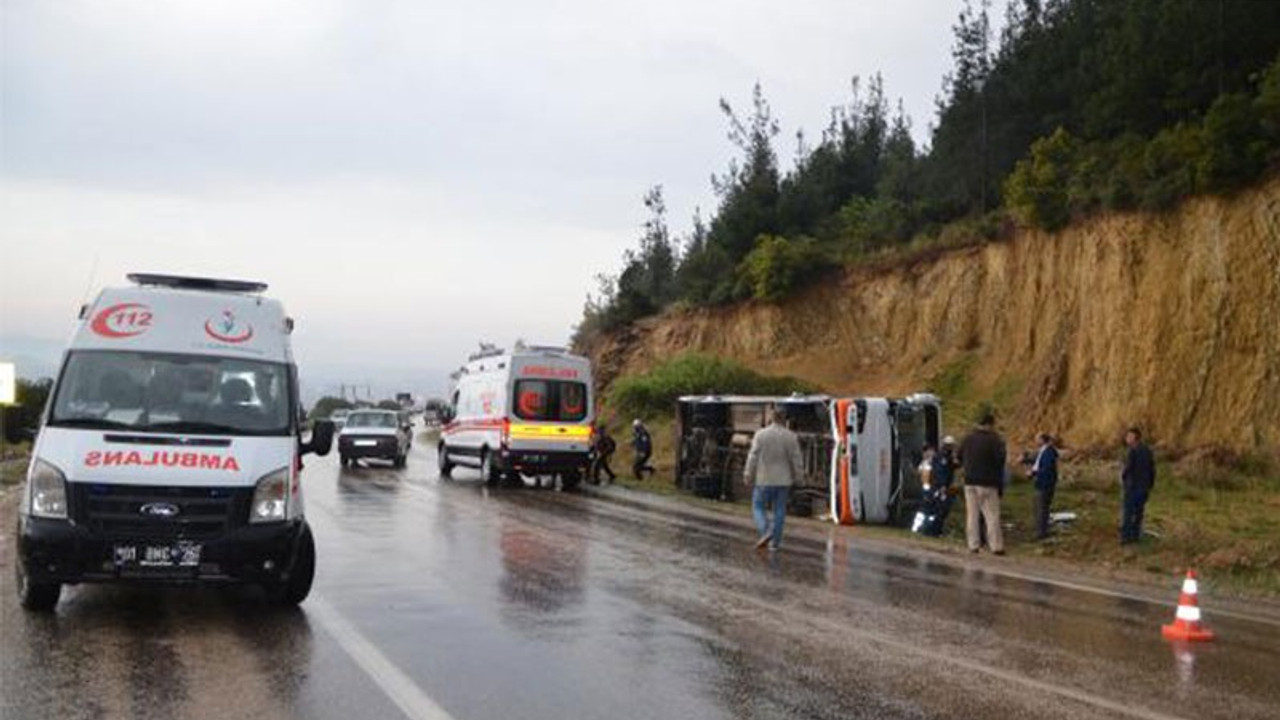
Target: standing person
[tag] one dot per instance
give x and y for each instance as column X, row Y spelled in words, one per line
column 944, row 475
column 605, row 447
column 1044, row 472
column 773, row 465
column 982, row 454
column 1137, row 478
column 642, row 443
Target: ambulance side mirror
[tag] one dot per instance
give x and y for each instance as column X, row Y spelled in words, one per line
column 321, row 438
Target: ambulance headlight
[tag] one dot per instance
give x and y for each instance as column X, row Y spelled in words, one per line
column 47, row 490
column 270, row 498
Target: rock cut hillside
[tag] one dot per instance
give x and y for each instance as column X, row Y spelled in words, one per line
column 1170, row 321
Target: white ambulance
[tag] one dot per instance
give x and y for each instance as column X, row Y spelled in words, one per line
column 524, row 412
column 171, row 447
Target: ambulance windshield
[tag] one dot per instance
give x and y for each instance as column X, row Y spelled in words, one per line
column 159, row 392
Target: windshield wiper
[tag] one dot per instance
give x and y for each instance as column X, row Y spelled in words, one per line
column 89, row 422
column 191, row 426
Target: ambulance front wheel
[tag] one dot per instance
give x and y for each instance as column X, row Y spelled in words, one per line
column 442, row 456
column 297, row 587
column 35, row 596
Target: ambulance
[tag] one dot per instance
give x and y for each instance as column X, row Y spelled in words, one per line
column 170, row 449
column 523, row 412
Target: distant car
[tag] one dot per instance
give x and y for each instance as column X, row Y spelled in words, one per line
column 374, row 434
column 339, row 418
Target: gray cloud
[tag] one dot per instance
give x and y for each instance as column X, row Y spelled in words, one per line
column 410, row 176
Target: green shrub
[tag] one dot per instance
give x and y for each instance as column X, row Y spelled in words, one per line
column 1234, row 151
column 1037, row 189
column 655, row 392
column 1169, row 165
column 1124, row 157
column 776, row 266
column 1268, row 106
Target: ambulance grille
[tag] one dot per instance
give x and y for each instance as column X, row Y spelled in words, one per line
column 115, row 511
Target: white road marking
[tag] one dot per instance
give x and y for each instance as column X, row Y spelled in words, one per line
column 403, row 691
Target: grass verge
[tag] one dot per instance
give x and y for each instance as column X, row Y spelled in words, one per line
column 1223, row 523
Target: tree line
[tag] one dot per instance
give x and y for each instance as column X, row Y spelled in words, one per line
column 1078, row 106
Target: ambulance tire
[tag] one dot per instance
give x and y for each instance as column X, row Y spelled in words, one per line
column 570, row 480
column 293, row 591
column 491, row 475
column 36, row 597
column 446, row 466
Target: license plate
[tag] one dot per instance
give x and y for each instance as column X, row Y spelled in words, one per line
column 366, row 443
column 179, row 554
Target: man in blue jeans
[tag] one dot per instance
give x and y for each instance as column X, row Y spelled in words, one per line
column 773, row 466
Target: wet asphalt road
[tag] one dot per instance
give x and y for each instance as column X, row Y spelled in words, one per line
column 449, row 600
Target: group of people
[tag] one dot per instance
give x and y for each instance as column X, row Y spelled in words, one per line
column 605, row 446
column 775, row 462
column 982, row 457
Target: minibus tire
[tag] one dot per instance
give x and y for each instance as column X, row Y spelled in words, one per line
column 36, row 597
column 293, row 591
column 442, row 456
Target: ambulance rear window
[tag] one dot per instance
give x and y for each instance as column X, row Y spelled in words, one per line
column 550, row 400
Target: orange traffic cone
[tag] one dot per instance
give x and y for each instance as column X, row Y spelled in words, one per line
column 1186, row 624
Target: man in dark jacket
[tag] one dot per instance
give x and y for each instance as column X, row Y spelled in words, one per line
column 642, row 443
column 982, row 455
column 1137, row 478
column 605, row 447
column 1044, row 473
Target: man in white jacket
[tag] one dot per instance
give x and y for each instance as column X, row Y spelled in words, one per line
column 773, row 466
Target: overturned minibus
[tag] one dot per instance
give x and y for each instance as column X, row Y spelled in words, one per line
column 861, row 455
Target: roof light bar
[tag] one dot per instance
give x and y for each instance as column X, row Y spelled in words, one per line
column 181, row 282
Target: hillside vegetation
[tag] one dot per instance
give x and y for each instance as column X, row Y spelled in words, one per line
column 1079, row 107
column 1163, row 319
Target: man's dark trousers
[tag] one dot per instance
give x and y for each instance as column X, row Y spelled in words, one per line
column 1135, row 503
column 1044, row 500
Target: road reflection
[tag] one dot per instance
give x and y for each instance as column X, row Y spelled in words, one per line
column 542, row 577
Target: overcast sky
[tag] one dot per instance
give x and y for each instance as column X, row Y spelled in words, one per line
column 410, row 176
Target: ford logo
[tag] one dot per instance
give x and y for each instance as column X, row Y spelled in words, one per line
column 160, row 509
